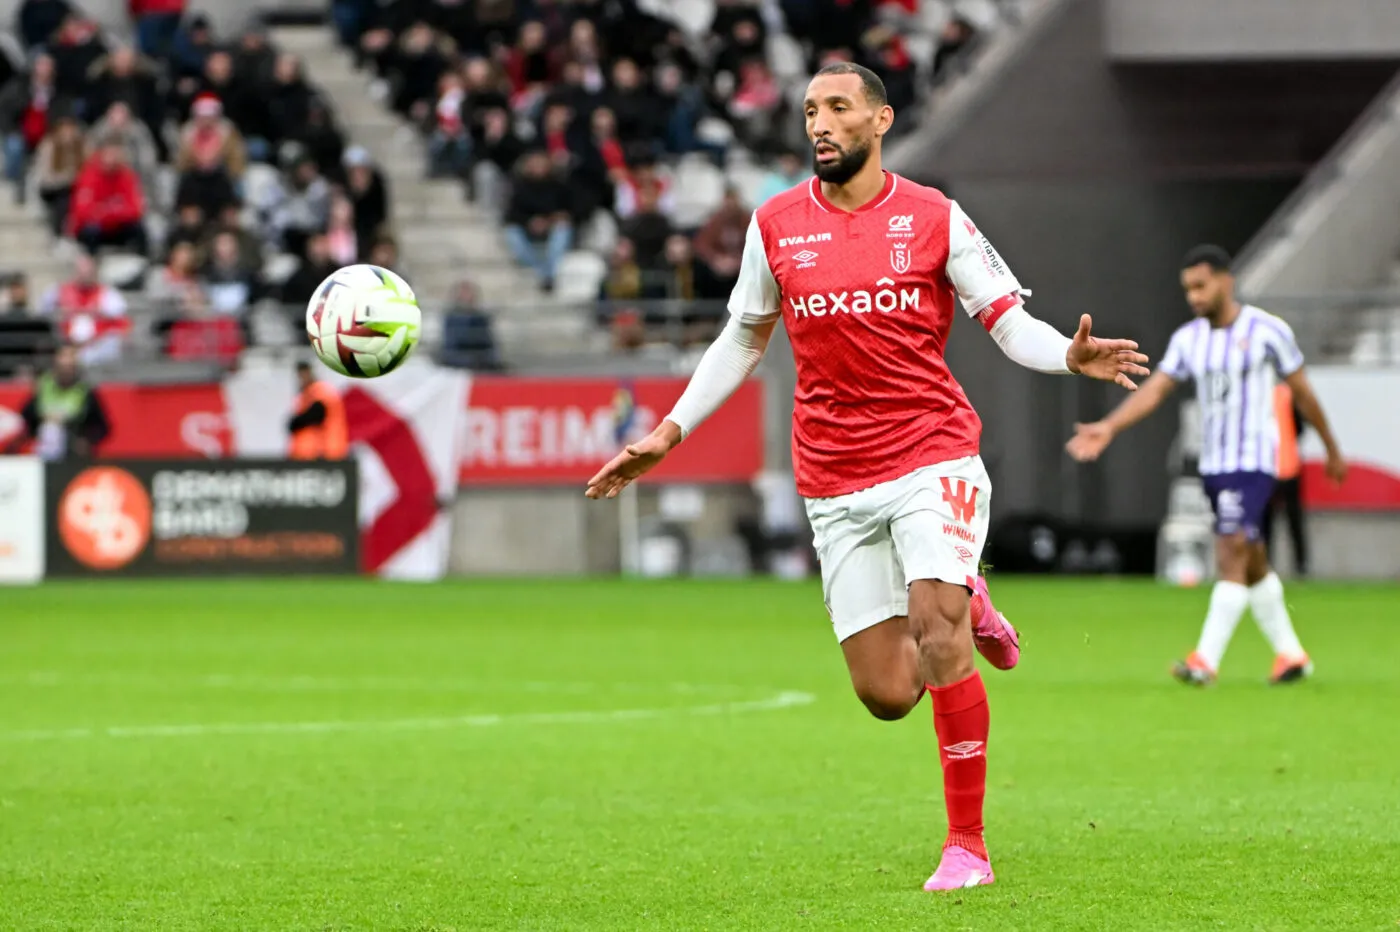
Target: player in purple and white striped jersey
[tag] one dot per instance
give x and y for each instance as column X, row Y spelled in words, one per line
column 1235, row 353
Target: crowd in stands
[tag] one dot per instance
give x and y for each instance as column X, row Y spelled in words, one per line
column 558, row 111
column 213, row 157
column 205, row 156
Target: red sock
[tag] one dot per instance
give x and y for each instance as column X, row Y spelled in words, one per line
column 961, row 719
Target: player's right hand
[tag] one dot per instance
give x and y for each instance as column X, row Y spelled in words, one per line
column 1089, row 441
column 635, row 459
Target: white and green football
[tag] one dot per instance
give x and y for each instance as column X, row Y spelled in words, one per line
column 363, row 321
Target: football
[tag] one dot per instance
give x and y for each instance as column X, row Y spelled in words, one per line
column 363, row 321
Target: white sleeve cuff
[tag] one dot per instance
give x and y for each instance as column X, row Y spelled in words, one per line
column 730, row 360
column 1031, row 342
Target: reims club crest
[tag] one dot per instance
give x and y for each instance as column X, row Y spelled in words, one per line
column 899, row 258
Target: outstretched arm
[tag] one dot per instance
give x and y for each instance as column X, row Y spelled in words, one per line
column 1306, row 400
column 1090, row 440
column 732, row 358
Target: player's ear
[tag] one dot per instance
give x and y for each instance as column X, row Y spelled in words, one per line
column 884, row 120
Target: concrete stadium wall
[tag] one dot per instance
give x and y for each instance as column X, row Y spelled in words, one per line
column 1232, row 30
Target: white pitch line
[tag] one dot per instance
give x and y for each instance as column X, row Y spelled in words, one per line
column 783, row 700
column 294, row 683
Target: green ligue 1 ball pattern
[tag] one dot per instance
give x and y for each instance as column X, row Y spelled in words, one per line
column 363, row 321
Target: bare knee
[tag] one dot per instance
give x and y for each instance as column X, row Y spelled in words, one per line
column 889, row 702
column 1232, row 558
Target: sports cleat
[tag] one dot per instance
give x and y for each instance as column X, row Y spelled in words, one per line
column 1290, row 670
column 1194, row 671
column 959, row 869
column 991, row 632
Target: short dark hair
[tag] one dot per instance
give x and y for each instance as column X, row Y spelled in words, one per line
column 870, row 81
column 303, row 367
column 1207, row 254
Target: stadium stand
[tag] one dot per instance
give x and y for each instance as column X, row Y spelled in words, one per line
column 217, row 174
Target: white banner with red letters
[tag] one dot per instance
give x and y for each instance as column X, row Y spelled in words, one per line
column 1360, row 404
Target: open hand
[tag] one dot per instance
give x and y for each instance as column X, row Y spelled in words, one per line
column 1089, row 441
column 1106, row 360
column 636, row 459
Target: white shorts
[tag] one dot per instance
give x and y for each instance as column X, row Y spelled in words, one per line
column 929, row 524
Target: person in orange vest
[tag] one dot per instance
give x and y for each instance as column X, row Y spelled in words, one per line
column 318, row 428
column 1288, row 492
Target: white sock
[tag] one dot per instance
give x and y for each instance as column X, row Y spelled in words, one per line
column 1270, row 612
column 1228, row 600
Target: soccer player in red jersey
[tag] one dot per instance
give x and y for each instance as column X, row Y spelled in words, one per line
column 864, row 268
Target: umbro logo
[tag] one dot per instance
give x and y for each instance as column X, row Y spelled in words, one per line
column 965, row 749
column 805, row 259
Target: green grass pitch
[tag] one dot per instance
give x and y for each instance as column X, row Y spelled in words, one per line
column 348, row 755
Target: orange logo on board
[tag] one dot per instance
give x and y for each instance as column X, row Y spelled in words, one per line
column 104, row 517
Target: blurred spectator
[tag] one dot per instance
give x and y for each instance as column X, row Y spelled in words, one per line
column 530, row 67
column 790, row 171
column 495, row 158
column 157, row 21
column 75, row 48
column 757, row 107
column 318, row 428
column 683, row 105
column 680, row 269
column 168, row 289
column 245, row 105
column 599, row 163
column 64, row 416
column 368, row 193
column 201, row 334
column 25, row 105
column 189, row 225
column 342, row 239
column 418, row 64
column 230, row 285
column 38, row 20
column 573, row 90
column 17, row 300
column 738, row 35
column 299, row 206
column 316, row 268
column 108, row 207
column 624, row 281
column 62, row 154
column 468, row 341
column 89, row 314
column 191, row 48
column 958, row 33
column 643, row 180
column 211, row 159
column 230, row 221
column 648, row 228
column 289, row 102
column 254, row 60
column 631, row 101
column 720, row 248
column 135, row 137
column 487, row 88
column 538, row 229
column 321, row 137
column 385, row 254
column 125, row 77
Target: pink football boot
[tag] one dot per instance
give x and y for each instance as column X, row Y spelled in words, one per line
column 958, row 869
column 991, row 632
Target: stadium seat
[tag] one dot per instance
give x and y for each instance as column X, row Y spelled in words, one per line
column 580, row 275
column 278, row 268
column 786, row 57
column 122, row 270
column 259, row 181
column 699, row 188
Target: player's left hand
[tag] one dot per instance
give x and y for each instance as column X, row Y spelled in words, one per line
column 1107, row 360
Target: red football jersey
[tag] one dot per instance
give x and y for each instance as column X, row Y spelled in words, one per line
column 868, row 298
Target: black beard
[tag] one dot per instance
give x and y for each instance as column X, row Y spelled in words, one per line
column 849, row 162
